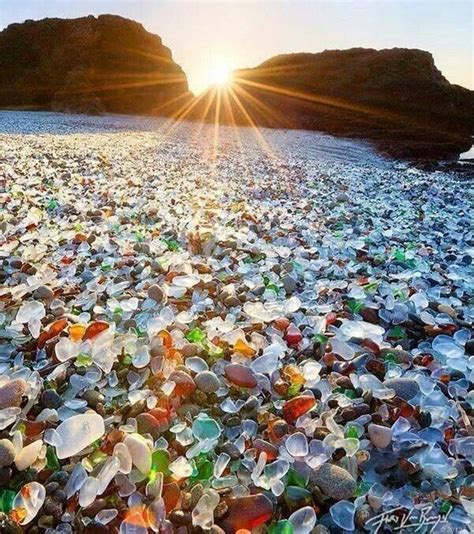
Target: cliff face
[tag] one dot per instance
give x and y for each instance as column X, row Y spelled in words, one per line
column 397, row 98
column 104, row 64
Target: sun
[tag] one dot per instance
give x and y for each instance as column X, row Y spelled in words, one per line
column 219, row 74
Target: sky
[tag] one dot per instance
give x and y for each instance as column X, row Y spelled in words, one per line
column 208, row 37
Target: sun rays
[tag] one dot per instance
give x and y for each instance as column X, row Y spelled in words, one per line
column 243, row 102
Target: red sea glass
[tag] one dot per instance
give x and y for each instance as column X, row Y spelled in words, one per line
column 240, row 375
column 94, row 329
column 247, row 513
column 297, row 406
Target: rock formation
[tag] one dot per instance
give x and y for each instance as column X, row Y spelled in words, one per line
column 89, row 64
column 396, row 98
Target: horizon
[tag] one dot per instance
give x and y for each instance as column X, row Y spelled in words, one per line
column 210, row 39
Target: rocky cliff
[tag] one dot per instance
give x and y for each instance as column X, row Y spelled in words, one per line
column 89, row 64
column 397, row 98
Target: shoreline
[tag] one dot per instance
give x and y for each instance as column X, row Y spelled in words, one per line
column 428, row 163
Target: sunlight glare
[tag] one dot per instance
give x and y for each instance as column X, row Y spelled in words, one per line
column 219, row 74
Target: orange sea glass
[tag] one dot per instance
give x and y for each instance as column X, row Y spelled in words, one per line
column 77, row 331
column 242, row 348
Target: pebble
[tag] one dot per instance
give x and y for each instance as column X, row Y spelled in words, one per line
column 362, row 515
column 470, row 347
column 147, row 424
column 445, row 308
column 7, row 452
column 28, row 455
column 156, row 293
column 60, row 476
column 232, row 301
column 51, row 399
column 51, row 487
column 12, row 392
column 405, row 388
column 196, row 494
column 139, row 451
column 240, row 375
column 334, row 482
column 93, row 397
column 52, row 507
column 180, row 517
column 77, row 433
column 380, row 436
column 289, row 283
column 43, row 293
column 207, row 381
